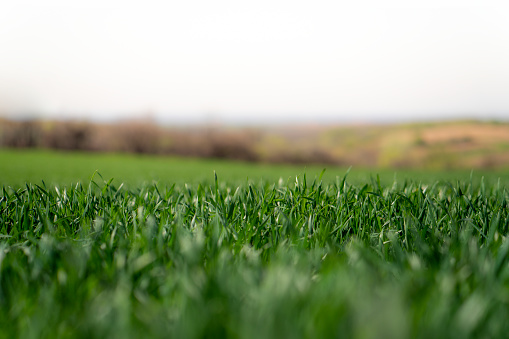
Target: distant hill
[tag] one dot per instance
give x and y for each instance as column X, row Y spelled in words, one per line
column 452, row 144
column 436, row 145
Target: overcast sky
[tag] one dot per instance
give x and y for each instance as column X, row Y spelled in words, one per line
column 252, row 61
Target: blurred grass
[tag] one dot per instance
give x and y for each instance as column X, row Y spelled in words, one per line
column 64, row 168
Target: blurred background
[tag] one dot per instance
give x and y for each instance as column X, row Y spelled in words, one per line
column 383, row 84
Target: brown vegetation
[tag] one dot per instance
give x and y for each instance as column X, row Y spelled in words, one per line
column 131, row 137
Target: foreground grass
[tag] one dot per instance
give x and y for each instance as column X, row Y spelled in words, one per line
column 299, row 258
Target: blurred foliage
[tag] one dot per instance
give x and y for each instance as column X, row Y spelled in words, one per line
column 440, row 145
column 130, row 137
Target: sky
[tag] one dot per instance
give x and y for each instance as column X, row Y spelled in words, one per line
column 237, row 61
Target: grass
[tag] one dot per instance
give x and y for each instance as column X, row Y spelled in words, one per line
column 227, row 257
column 67, row 168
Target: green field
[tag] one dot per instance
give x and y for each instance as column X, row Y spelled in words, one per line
column 176, row 251
column 66, row 168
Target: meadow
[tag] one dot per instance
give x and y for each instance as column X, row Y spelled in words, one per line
column 121, row 246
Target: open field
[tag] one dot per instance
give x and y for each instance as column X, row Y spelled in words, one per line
column 65, row 168
column 194, row 255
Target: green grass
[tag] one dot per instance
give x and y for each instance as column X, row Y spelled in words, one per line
column 67, row 168
column 226, row 257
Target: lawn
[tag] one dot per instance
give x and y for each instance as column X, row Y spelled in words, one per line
column 180, row 252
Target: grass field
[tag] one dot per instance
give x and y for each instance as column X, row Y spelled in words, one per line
column 193, row 255
column 66, row 168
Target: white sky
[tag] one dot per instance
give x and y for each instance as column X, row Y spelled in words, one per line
column 264, row 60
